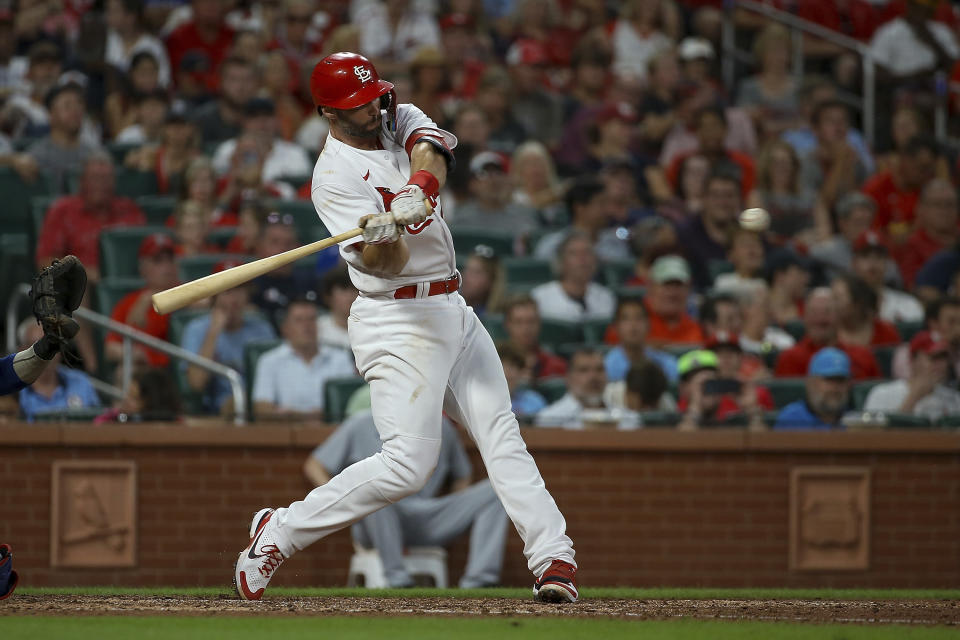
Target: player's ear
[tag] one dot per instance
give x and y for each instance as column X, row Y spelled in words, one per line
column 326, row 112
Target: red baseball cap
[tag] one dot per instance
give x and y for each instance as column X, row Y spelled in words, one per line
column 155, row 244
column 723, row 339
column 925, row 342
column 869, row 241
column 527, row 51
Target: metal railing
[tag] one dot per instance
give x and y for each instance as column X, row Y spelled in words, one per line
column 129, row 336
column 798, row 27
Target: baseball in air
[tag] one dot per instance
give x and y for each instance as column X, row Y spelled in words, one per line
column 755, row 219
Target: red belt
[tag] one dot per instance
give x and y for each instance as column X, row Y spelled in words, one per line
column 449, row 285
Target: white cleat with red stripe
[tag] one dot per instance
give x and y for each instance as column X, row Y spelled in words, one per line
column 557, row 584
column 260, row 560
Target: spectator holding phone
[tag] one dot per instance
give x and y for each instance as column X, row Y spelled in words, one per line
column 709, row 400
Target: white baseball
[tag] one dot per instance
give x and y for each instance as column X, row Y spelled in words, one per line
column 755, row 219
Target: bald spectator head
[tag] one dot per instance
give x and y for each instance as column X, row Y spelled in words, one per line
column 937, row 209
column 820, row 316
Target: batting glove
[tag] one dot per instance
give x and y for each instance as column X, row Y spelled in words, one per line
column 379, row 229
column 409, row 206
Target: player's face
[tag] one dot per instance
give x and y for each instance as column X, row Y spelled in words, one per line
column 361, row 122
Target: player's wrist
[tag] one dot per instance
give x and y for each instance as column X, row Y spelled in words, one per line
column 427, row 182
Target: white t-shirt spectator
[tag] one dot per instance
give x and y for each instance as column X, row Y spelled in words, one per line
column 632, row 52
column 897, row 306
column 285, row 160
column 284, row 379
column 378, row 40
column 554, row 303
column 895, row 47
column 889, row 396
column 568, row 413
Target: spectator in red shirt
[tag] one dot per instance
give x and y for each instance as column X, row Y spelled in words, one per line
column 73, row 223
column 822, row 322
column 206, row 34
column 521, row 321
column 159, row 271
column 666, row 303
column 896, row 189
column 711, row 127
column 859, row 310
column 935, row 229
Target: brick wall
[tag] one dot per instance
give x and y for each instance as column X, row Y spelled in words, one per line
column 646, row 508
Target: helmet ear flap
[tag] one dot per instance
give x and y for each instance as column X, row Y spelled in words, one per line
column 388, row 102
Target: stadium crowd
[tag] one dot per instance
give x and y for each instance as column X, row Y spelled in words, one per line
column 602, row 168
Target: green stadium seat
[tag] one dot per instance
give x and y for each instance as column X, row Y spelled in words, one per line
column 304, row 215
column 119, row 247
column 907, row 421
column 198, row 266
column 527, row 271
column 179, row 320
column 719, row 267
column 119, row 151
column 786, row 390
column 557, row 332
column 111, row 290
column 157, row 209
column 71, row 414
column 949, row 422
column 861, row 390
column 221, row 236
column 251, row 354
column 494, row 325
column 552, row 389
column 595, row 330
column 133, row 184
column 465, row 240
column 18, row 196
column 631, row 291
column 616, row 272
column 336, row 395
column 909, row 329
column 884, row 356
column 662, row 419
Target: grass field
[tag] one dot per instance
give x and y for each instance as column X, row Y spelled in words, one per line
column 108, row 613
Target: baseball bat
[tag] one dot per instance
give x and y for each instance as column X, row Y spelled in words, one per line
column 189, row 292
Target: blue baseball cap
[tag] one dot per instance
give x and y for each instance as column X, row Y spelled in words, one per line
column 829, row 363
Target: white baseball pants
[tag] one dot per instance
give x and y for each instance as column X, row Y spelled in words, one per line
column 421, row 357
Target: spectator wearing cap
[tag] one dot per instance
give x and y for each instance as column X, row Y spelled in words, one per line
column 935, row 229
column 391, row 33
column 638, row 36
column 788, row 276
column 942, row 320
column 710, row 124
column 521, row 322
column 733, row 363
column 126, row 37
column 489, row 205
column 707, row 236
column 538, row 110
column 222, row 119
column 747, row 256
column 822, row 323
column 870, row 261
column 290, row 379
column 206, row 34
column 827, row 394
column 62, row 152
column 588, row 205
column 574, row 296
column 854, row 213
column 73, row 223
column 926, row 392
column 896, row 189
column 706, row 399
column 911, row 47
column 158, row 269
column 273, row 291
column 858, row 308
column 280, row 159
column 221, row 334
column 632, row 328
column 666, row 303
column 524, row 402
column 584, row 401
column 832, row 167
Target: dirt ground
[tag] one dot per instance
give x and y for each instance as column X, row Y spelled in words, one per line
column 926, row 612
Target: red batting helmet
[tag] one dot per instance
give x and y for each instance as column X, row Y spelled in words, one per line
column 346, row 81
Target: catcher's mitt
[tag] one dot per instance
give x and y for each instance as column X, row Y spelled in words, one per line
column 56, row 292
column 8, row 577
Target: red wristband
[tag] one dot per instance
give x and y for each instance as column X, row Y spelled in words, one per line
column 427, row 182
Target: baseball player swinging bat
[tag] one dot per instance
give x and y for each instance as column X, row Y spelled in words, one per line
column 189, row 292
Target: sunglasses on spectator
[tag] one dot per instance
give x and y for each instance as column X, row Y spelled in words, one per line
column 276, row 218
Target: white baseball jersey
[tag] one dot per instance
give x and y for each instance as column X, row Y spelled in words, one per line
column 349, row 183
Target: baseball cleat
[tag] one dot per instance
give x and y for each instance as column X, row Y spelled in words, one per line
column 557, row 584
column 260, row 560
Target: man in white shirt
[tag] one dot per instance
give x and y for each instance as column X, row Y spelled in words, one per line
column 914, row 45
column 584, row 400
column 280, row 158
column 338, row 294
column 925, row 393
column 870, row 260
column 573, row 296
column 290, row 378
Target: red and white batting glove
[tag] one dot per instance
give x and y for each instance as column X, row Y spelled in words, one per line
column 379, row 229
column 409, row 206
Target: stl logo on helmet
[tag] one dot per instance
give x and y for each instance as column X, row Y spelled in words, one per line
column 363, row 74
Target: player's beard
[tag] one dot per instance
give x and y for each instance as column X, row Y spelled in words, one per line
column 369, row 130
